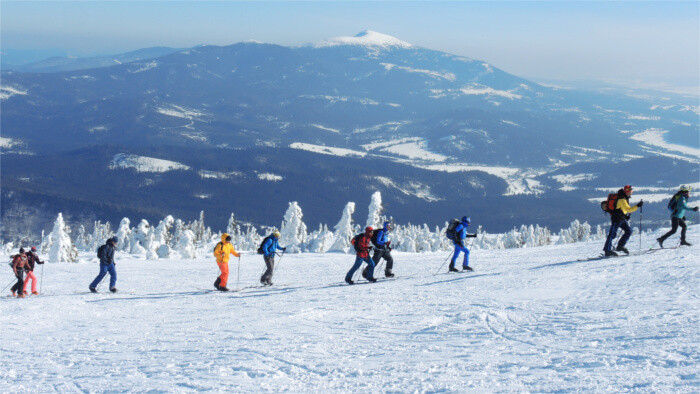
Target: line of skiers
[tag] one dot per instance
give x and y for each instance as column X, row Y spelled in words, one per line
column 617, row 205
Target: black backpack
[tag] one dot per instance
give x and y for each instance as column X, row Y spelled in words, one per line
column 451, row 232
column 260, row 248
column 375, row 233
column 673, row 203
column 100, row 250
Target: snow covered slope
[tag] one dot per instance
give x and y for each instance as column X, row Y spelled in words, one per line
column 525, row 320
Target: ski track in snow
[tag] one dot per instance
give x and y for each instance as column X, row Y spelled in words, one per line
column 525, row 320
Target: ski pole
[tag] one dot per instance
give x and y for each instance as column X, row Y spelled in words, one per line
column 238, row 272
column 641, row 211
column 41, row 282
column 8, row 285
column 278, row 263
column 443, row 264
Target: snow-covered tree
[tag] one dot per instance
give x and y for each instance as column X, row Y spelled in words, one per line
column 124, row 235
column 62, row 248
column 100, row 234
column 161, row 235
column 344, row 230
column 139, row 238
column 375, row 210
column 81, row 239
column 320, row 241
column 293, row 230
column 186, row 245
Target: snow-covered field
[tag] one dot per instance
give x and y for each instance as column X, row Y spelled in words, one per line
column 526, row 320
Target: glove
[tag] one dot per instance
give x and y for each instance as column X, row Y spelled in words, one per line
column 471, row 235
column 696, row 209
column 284, row 249
column 639, row 204
column 683, row 218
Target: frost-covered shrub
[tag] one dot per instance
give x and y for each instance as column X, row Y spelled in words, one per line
column 293, row 230
column 344, row 230
column 61, row 249
column 124, row 235
column 186, row 245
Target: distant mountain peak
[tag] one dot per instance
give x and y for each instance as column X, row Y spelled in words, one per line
column 366, row 38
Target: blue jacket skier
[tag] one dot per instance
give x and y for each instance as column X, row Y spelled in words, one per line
column 678, row 206
column 382, row 250
column 106, row 255
column 269, row 248
column 461, row 235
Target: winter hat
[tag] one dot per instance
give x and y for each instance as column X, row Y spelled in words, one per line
column 466, row 219
column 627, row 188
column 21, row 250
column 33, row 248
column 113, row 239
column 686, row 189
column 276, row 234
column 368, row 229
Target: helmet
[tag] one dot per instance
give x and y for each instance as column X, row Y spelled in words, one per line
column 627, row 188
column 686, row 189
column 33, row 248
column 276, row 234
column 368, row 229
column 466, row 219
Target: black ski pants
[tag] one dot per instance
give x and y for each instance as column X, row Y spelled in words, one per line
column 383, row 252
column 270, row 264
column 675, row 222
column 19, row 286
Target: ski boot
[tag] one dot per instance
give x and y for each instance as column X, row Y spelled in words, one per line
column 20, row 296
column 222, row 288
column 623, row 249
column 660, row 241
column 364, row 274
column 453, row 269
column 14, row 294
column 610, row 253
column 349, row 281
column 113, row 289
column 686, row 243
column 92, row 289
column 216, row 283
column 371, row 280
column 35, row 293
column 389, row 274
column 467, row 268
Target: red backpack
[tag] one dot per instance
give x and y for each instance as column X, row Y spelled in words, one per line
column 610, row 204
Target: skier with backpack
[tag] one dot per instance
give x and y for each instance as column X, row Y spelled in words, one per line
column 617, row 205
column 107, row 264
column 19, row 264
column 268, row 249
column 222, row 252
column 362, row 243
column 382, row 250
column 457, row 233
column 32, row 259
column 678, row 205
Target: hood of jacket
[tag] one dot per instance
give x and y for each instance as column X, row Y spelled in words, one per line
column 223, row 237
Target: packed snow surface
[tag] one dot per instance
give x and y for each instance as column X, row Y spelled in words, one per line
column 527, row 320
column 145, row 164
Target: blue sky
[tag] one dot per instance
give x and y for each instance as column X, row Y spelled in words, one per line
column 650, row 42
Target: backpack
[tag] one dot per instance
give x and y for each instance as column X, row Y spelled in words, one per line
column 17, row 258
column 356, row 242
column 451, row 232
column 100, row 250
column 217, row 245
column 375, row 233
column 260, row 248
column 673, row 203
column 610, row 204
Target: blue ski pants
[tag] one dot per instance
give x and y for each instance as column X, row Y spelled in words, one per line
column 358, row 263
column 627, row 232
column 460, row 248
column 103, row 271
